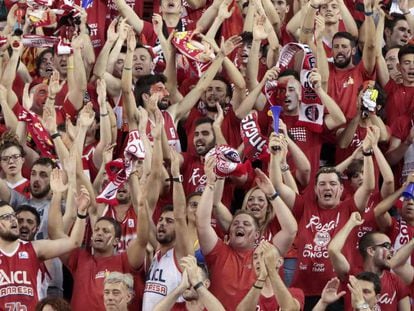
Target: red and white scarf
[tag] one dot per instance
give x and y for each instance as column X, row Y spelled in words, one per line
column 118, row 170
column 310, row 109
column 37, row 133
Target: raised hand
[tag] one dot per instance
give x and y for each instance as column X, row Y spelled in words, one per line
column 356, row 219
column 228, row 46
column 86, row 116
column 83, row 200
column 55, row 86
column 264, row 183
column 189, row 263
column 111, row 34
column 259, row 32
column 330, row 292
column 57, row 184
column 157, row 24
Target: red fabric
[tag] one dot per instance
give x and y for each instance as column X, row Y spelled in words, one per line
column 231, row 274
column 21, row 268
column 270, row 303
column 400, row 129
column 400, row 234
column 23, row 188
column 89, row 273
column 343, row 87
column 87, row 160
column 400, row 101
column 309, row 142
column 316, row 228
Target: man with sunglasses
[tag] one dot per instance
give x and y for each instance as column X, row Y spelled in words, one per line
column 401, row 229
column 376, row 250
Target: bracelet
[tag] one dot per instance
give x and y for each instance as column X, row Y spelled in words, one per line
column 198, row 285
column 80, row 216
column 284, row 168
column 367, row 153
column 368, row 13
column 258, row 287
column 314, row 7
column 125, row 68
column 55, row 135
column 51, row 98
column 69, row 67
column 273, row 196
column 104, row 114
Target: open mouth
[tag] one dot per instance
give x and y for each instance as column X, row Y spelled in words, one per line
column 240, row 233
column 327, row 196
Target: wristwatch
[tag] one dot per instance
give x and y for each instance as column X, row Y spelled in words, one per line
column 179, row 179
column 362, row 306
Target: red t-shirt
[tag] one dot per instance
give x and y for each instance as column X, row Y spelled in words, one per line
column 343, row 87
column 271, row 304
column 89, row 273
column 231, row 273
column 20, row 278
column 230, row 128
column 401, row 129
column 316, row 228
column 399, row 101
column 309, row 142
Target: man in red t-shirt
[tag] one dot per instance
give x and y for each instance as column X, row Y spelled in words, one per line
column 319, row 220
column 232, row 272
column 345, row 78
column 89, row 269
column 399, row 95
column 376, row 250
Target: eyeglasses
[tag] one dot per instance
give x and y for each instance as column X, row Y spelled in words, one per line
column 15, row 157
column 8, row 216
column 386, row 245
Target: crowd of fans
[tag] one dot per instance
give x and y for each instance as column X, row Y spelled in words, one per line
column 226, row 155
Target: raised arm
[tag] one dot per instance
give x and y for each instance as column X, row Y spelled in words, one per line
column 136, row 248
column 339, row 262
column 370, row 51
column 248, row 103
column 382, row 217
column 276, row 143
column 284, row 238
column 104, row 123
column 76, row 74
column 400, row 265
column 101, row 61
column 128, row 13
column 335, row 116
column 363, row 193
column 183, row 244
column 181, row 110
column 206, row 234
